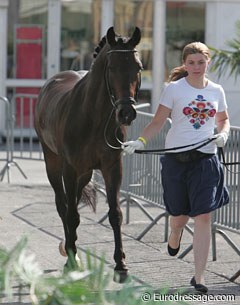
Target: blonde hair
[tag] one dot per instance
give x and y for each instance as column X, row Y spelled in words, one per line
column 191, row 48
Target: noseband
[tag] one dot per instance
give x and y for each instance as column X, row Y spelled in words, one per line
column 125, row 101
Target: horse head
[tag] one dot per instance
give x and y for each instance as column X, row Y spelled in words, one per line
column 122, row 74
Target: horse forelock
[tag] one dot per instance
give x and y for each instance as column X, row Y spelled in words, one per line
column 121, row 42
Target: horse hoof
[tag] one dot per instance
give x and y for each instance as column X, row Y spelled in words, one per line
column 73, row 264
column 120, row 276
column 61, row 248
column 78, row 260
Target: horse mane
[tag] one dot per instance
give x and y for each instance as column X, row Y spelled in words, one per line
column 99, row 47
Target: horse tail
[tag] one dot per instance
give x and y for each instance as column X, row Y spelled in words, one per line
column 89, row 195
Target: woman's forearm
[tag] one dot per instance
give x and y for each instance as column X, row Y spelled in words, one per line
column 153, row 128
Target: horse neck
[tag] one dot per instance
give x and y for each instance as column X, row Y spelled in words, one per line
column 93, row 95
column 96, row 86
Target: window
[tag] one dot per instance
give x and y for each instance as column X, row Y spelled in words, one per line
column 27, row 27
column 129, row 14
column 185, row 23
column 80, row 33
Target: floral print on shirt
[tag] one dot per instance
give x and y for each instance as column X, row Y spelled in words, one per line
column 199, row 111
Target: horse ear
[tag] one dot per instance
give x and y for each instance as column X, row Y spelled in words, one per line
column 136, row 37
column 111, row 36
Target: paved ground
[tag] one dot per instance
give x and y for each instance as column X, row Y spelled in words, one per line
column 27, row 208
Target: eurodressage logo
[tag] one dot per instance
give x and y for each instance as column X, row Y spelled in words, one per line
column 188, row 297
column 199, row 111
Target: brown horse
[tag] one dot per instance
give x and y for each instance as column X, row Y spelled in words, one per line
column 80, row 120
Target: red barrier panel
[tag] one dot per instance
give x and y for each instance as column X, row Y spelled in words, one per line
column 29, row 61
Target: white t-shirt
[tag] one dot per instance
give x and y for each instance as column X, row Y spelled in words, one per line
column 193, row 113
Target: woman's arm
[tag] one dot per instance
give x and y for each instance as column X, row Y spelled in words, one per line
column 157, row 123
column 222, row 121
column 149, row 131
column 223, row 127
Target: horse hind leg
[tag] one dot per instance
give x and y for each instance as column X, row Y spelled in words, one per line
column 72, row 217
column 54, row 172
column 63, row 180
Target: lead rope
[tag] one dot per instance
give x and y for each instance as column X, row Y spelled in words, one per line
column 105, row 133
column 165, row 150
column 226, row 164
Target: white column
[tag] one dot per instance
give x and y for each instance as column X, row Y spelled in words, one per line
column 159, row 40
column 221, row 18
column 3, row 39
column 107, row 17
column 54, row 37
column 3, row 58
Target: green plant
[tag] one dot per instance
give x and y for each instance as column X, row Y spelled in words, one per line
column 83, row 285
column 228, row 60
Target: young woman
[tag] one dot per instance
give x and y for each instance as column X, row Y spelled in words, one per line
column 192, row 179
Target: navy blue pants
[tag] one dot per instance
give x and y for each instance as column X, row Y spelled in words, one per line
column 193, row 188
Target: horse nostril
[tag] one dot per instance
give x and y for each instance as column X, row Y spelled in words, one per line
column 126, row 115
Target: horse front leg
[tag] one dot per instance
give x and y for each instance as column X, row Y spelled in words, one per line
column 113, row 178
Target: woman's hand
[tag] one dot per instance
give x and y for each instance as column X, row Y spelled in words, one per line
column 221, row 139
column 223, row 127
column 130, row 146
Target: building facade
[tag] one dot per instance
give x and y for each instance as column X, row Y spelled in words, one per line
column 41, row 37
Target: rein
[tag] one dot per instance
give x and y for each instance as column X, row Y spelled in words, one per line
column 105, row 133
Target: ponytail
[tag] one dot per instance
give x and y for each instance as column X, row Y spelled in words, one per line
column 177, row 73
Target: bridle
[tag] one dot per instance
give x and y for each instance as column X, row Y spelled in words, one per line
column 114, row 101
column 117, row 102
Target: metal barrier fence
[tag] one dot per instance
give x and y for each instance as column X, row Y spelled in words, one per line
column 24, row 142
column 141, row 172
column 228, row 217
column 7, row 159
column 21, row 138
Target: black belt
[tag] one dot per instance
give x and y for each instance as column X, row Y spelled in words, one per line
column 189, row 156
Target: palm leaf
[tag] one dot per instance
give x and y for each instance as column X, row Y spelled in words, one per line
column 227, row 61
